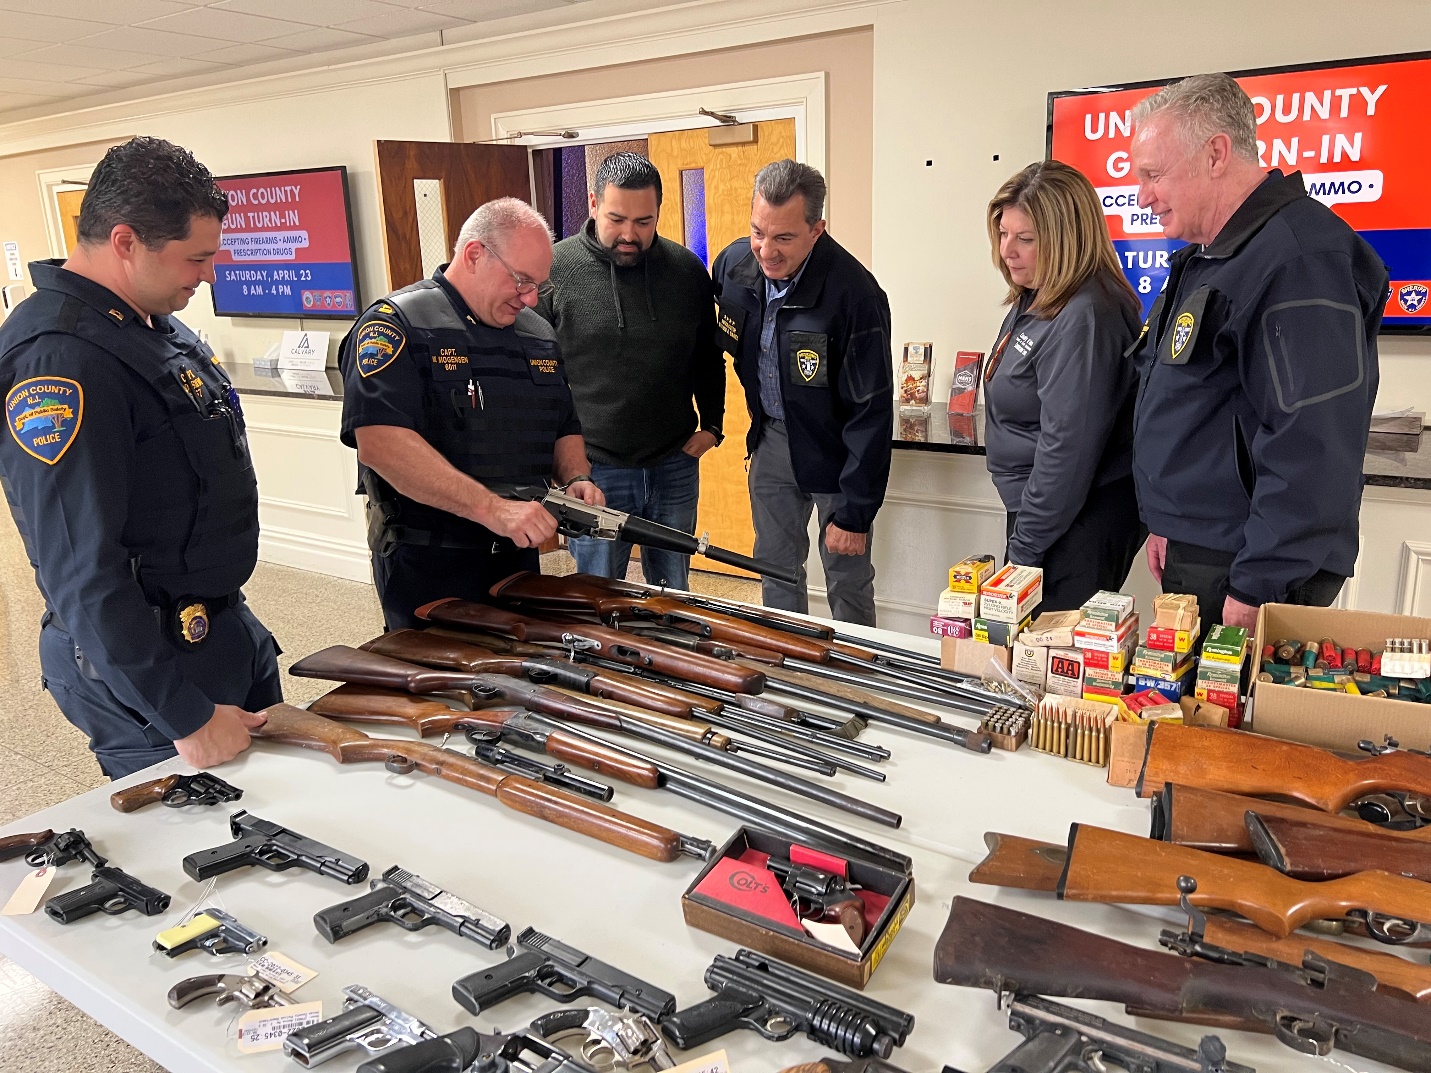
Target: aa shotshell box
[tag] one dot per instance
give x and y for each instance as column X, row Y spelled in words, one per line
column 1011, row 594
column 1172, row 639
column 955, row 604
column 1075, row 729
column 1030, row 664
column 1008, row 730
column 969, row 575
column 1101, row 637
column 1160, row 664
column 994, row 632
column 1065, row 672
column 951, row 627
column 1226, row 644
column 1095, row 659
column 1174, row 689
column 723, row 900
column 1052, row 629
column 1175, row 611
column 1106, row 607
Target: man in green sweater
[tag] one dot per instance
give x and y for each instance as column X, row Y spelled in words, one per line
column 634, row 315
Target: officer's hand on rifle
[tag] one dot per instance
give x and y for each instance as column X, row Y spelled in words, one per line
column 587, row 492
column 222, row 738
column 525, row 524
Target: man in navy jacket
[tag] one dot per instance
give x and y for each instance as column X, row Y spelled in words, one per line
column 808, row 328
column 1258, row 365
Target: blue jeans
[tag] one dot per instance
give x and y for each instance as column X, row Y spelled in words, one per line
column 665, row 493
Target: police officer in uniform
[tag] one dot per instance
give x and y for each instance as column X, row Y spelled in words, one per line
column 126, row 467
column 1258, row 364
column 453, row 387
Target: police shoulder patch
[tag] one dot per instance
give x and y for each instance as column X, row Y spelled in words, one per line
column 44, row 414
column 378, row 343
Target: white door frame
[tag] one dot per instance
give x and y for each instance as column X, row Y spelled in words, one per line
column 54, row 181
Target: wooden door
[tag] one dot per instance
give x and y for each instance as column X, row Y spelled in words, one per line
column 434, row 186
column 68, row 203
column 727, row 176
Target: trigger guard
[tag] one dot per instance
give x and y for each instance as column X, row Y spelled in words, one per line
column 1308, row 1037
column 762, row 1026
column 399, row 764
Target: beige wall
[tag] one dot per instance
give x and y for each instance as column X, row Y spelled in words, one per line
column 847, row 58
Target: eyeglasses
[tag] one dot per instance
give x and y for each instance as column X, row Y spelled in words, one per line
column 524, row 285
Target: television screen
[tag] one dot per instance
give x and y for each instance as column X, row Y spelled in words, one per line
column 287, row 247
column 1355, row 129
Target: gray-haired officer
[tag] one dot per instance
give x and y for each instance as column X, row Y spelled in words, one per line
column 127, row 470
column 451, row 385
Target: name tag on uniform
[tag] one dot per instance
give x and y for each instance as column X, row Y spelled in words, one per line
column 449, row 360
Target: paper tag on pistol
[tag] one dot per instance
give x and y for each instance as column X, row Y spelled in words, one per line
column 265, row 1030
column 30, row 892
column 715, row 1062
column 283, row 973
column 831, row 935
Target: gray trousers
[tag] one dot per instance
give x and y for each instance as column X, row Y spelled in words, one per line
column 781, row 512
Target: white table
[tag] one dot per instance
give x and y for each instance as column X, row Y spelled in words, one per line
column 614, row 906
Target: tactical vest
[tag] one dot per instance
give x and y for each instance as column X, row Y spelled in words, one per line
column 492, row 404
column 197, row 531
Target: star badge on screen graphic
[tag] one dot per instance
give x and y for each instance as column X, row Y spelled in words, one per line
column 1411, row 296
column 43, row 414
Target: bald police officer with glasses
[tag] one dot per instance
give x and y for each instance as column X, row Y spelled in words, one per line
column 454, row 387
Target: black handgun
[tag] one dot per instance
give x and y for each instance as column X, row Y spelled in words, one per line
column 823, row 896
column 175, row 791
column 111, row 891
column 755, row 992
column 411, row 902
column 519, row 1052
column 273, row 847
column 1060, row 1039
column 546, row 963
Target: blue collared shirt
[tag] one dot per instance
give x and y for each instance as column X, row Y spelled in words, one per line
column 776, row 291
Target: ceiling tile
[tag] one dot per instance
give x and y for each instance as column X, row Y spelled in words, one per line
column 178, row 67
column 34, row 27
column 104, row 59
column 225, row 25
column 321, row 39
column 114, row 79
column 10, row 101
column 47, row 72
column 487, row 10
column 311, row 12
column 245, row 54
column 113, row 12
column 401, row 22
column 34, row 88
column 154, row 44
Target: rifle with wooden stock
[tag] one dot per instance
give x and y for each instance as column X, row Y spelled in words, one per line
column 1312, row 1007
column 1098, row 865
column 1215, row 821
column 1312, row 851
column 1239, row 762
column 622, row 647
column 428, row 717
column 287, row 725
column 340, row 663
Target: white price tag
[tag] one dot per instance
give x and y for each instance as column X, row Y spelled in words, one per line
column 714, row 1062
column 831, row 935
column 284, row 973
column 265, row 1030
column 30, row 893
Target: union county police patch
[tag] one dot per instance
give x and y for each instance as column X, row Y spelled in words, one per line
column 808, row 362
column 44, row 413
column 378, row 343
column 1411, row 296
column 1182, row 332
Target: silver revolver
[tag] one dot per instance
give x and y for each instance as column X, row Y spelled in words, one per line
column 613, row 1040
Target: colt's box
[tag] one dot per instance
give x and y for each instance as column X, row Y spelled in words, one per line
column 993, row 632
column 1175, row 611
column 951, row 627
column 1030, row 663
column 1225, row 644
column 738, row 898
column 969, row 575
column 1106, row 607
column 954, row 604
column 1052, row 629
column 1101, row 637
column 1012, row 593
column 1172, row 639
column 1065, row 672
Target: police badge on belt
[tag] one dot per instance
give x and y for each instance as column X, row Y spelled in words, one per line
column 190, row 621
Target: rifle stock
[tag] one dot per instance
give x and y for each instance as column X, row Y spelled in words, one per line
column 288, row 725
column 1214, row 821
column 1238, row 762
column 621, row 647
column 1313, row 851
column 1020, row 862
column 1004, row 951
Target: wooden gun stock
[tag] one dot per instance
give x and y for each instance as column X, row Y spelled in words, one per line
column 1313, row 851
column 1004, row 951
column 1109, row 866
column 358, row 704
column 1214, row 821
column 612, row 644
column 18, row 845
column 1237, row 762
column 1020, row 862
column 339, row 663
column 135, row 797
column 549, row 593
column 293, row 726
